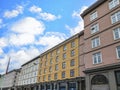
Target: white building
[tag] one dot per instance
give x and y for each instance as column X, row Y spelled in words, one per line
column 8, row 80
column 29, row 72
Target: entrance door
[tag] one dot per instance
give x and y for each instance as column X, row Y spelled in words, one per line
column 99, row 82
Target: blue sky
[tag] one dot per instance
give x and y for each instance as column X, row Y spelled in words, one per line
column 30, row 27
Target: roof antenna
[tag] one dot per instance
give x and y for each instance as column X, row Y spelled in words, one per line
column 8, row 65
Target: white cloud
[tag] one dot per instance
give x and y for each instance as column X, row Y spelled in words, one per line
column 3, row 42
column 26, row 30
column 80, row 25
column 51, row 39
column 35, row 9
column 18, row 58
column 80, row 11
column 48, row 16
column 28, row 25
column 22, row 56
column 43, row 15
column 21, row 39
column 13, row 13
column 1, row 51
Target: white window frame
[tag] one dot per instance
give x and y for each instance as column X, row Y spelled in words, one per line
column 118, row 57
column 97, row 61
column 118, row 30
column 95, row 27
column 93, row 16
column 115, row 17
column 113, row 3
column 95, row 42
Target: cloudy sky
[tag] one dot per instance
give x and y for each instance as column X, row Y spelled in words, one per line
column 30, row 27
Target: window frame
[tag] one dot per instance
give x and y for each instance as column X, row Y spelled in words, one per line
column 116, row 29
column 93, row 15
column 118, row 57
column 94, row 40
column 96, row 27
column 97, row 61
column 112, row 4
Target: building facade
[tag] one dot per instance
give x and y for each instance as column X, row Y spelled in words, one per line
column 59, row 67
column 7, row 81
column 27, row 78
column 102, row 45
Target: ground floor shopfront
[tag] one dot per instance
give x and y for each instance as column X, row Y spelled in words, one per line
column 69, row 84
column 103, row 78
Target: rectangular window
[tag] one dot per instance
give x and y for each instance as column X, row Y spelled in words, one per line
column 115, row 17
column 94, row 28
column 117, row 74
column 118, row 52
column 50, row 69
column 72, row 72
column 116, row 33
column 93, row 16
column 63, row 74
column 95, row 42
column 63, row 65
column 57, row 59
column 72, row 44
column 97, row 58
column 64, row 48
column 49, row 77
column 55, row 76
column 51, row 61
column 56, row 67
column 113, row 3
column 64, row 55
column 72, row 62
column 57, row 51
column 40, row 72
column 44, row 78
column 72, row 53
column 44, row 71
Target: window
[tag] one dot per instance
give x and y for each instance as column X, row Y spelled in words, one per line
column 57, row 58
column 72, row 62
column 95, row 42
column 97, row 58
column 63, row 74
column 99, row 80
column 113, row 3
column 44, row 78
column 72, row 44
column 116, row 33
column 50, row 69
column 117, row 74
column 44, row 71
column 94, row 28
column 45, row 63
column 40, row 72
column 56, row 67
column 93, row 16
column 64, row 48
column 57, row 51
column 72, row 72
column 118, row 52
column 115, row 17
column 72, row 53
column 51, row 61
column 55, row 76
column 63, row 65
column 49, row 77
column 64, row 55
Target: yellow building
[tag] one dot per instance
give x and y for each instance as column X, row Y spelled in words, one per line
column 60, row 63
